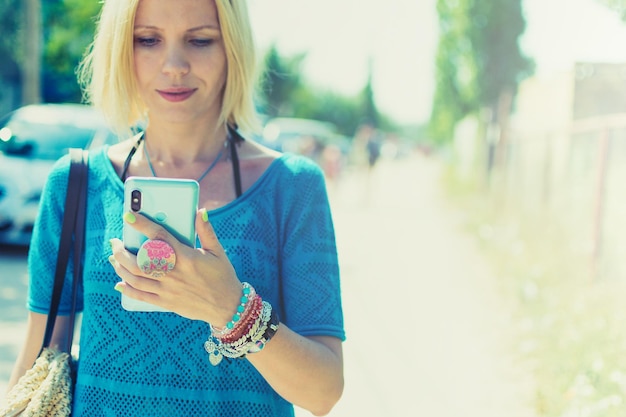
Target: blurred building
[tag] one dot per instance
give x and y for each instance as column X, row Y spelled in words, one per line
column 563, row 159
column 567, row 156
column 599, row 89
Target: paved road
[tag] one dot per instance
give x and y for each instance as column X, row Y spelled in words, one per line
column 13, row 284
column 427, row 333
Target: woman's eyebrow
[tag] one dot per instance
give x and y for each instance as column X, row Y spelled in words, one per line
column 210, row 27
column 145, row 27
column 194, row 29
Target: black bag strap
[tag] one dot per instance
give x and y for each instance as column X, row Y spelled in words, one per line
column 73, row 229
column 233, row 139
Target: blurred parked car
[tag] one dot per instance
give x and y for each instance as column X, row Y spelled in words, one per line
column 301, row 136
column 32, row 138
column 312, row 138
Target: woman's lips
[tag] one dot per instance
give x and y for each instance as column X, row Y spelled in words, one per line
column 176, row 94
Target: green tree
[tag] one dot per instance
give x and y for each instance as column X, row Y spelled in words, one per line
column 497, row 26
column 286, row 93
column 12, row 20
column 478, row 60
column 69, row 27
column 368, row 101
column 281, row 78
column 321, row 104
column 10, row 33
column 617, row 5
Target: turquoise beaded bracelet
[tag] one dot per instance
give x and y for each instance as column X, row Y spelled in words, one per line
column 264, row 328
column 247, row 293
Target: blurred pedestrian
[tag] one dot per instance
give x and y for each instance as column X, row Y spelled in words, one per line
column 373, row 146
column 331, row 161
column 260, row 292
column 366, row 145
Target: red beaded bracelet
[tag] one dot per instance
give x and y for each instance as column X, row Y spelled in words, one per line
column 243, row 326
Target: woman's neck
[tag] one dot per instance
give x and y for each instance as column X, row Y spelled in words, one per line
column 185, row 143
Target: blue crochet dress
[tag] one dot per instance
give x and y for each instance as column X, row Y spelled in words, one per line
column 278, row 235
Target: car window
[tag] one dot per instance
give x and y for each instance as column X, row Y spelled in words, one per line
column 44, row 141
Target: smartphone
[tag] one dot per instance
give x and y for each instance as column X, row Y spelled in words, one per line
column 170, row 202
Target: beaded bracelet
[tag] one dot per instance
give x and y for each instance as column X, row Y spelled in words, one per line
column 269, row 332
column 257, row 336
column 253, row 310
column 247, row 293
column 237, row 348
column 217, row 349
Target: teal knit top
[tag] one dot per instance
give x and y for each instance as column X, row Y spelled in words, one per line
column 278, row 235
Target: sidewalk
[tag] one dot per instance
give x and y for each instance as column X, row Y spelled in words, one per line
column 13, row 287
column 427, row 333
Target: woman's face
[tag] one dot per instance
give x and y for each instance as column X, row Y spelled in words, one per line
column 180, row 61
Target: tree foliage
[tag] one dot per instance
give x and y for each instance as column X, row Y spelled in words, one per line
column 287, row 93
column 368, row 101
column 282, row 77
column 618, row 5
column 68, row 27
column 478, row 59
column 68, row 30
column 10, row 29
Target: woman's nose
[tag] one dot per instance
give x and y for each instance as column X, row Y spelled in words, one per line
column 176, row 62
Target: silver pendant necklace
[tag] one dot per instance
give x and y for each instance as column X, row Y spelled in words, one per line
column 204, row 174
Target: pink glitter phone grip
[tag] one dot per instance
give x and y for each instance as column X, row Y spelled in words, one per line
column 156, row 258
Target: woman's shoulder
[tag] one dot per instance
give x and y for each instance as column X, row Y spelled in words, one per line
column 118, row 153
column 57, row 177
column 59, row 172
column 121, row 149
column 267, row 169
column 288, row 165
column 255, row 151
column 300, row 164
column 294, row 168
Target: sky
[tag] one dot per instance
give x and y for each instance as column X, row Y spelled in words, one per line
column 399, row 38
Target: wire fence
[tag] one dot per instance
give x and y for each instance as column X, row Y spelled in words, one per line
column 574, row 176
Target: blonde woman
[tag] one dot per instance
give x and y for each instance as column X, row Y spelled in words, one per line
column 255, row 322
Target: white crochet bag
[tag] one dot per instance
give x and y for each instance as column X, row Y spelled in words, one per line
column 44, row 390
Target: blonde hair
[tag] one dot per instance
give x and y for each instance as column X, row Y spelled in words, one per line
column 107, row 72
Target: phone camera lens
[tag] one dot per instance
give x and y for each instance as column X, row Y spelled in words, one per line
column 135, row 200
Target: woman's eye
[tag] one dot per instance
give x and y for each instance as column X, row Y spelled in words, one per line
column 146, row 40
column 201, row 42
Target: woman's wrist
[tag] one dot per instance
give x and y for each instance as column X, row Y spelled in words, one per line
column 247, row 294
column 251, row 327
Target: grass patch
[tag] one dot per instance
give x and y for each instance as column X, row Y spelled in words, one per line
column 571, row 325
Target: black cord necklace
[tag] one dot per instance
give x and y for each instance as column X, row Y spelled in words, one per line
column 204, row 174
column 233, row 138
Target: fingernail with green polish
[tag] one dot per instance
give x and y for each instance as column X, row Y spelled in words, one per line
column 129, row 217
column 118, row 287
column 205, row 216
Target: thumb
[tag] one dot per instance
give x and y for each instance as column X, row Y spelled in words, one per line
column 206, row 234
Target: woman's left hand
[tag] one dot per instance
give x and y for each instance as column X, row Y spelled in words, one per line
column 202, row 285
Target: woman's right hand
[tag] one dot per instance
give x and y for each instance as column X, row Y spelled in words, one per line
column 202, row 285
